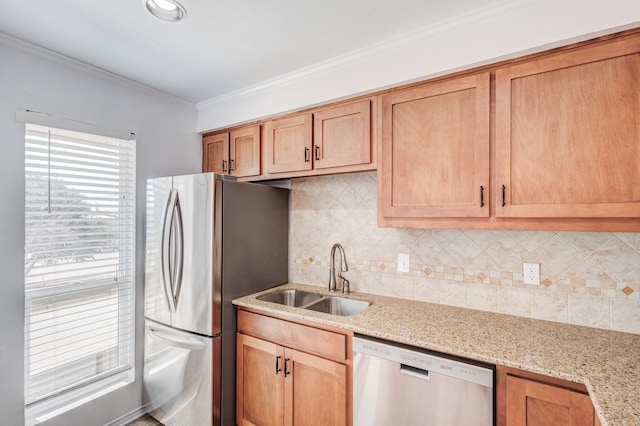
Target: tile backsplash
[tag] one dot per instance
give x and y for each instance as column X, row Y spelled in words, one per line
column 587, row 278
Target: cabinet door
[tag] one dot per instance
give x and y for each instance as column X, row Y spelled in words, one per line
column 567, row 135
column 315, row 391
column 342, row 136
column 531, row 403
column 244, row 152
column 215, row 153
column 259, row 382
column 435, row 150
column 289, row 144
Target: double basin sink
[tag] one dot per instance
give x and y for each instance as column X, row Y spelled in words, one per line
column 334, row 305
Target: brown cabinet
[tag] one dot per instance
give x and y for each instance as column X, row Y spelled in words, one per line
column 290, row 373
column 528, row 399
column 546, row 142
column 342, row 136
column 260, row 382
column 215, row 153
column 288, row 144
column 567, row 139
column 331, row 140
column 236, row 153
column 434, row 158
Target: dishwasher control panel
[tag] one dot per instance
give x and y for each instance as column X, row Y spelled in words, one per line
column 419, row 360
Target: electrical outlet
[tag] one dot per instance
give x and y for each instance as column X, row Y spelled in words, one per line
column 531, row 273
column 403, row 262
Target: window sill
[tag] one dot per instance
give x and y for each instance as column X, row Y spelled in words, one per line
column 40, row 412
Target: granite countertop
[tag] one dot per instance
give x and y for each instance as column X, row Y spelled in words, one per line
column 606, row 362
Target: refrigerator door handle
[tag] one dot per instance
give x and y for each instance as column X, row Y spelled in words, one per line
column 165, row 256
column 177, row 254
column 171, row 339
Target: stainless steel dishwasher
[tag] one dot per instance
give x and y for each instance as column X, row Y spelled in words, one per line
column 394, row 385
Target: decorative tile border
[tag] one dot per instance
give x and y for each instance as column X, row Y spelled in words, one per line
column 576, row 284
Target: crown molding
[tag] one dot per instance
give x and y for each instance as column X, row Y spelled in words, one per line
column 500, row 31
column 430, row 32
column 80, row 66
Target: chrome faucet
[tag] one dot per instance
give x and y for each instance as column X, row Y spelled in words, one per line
column 343, row 268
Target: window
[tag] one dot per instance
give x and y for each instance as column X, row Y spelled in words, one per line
column 79, row 263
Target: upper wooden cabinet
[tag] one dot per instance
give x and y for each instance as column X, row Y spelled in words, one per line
column 215, row 153
column 244, row 152
column 434, row 158
column 567, row 134
column 342, row 136
column 330, row 140
column 548, row 142
column 288, row 144
column 236, row 153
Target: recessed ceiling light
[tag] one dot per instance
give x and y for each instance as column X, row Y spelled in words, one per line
column 169, row 10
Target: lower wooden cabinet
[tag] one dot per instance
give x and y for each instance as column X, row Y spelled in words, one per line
column 527, row 399
column 285, row 374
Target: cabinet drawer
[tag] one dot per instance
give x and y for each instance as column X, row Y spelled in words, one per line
column 311, row 340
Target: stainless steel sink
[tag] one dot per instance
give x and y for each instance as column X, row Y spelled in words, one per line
column 333, row 305
column 339, row 306
column 296, row 298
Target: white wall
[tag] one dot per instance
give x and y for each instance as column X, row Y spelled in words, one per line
column 508, row 28
column 167, row 143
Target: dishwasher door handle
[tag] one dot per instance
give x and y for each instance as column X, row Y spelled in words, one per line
column 415, row 372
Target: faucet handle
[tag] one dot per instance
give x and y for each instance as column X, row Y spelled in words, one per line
column 346, row 287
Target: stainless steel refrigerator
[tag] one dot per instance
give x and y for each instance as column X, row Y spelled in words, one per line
column 209, row 240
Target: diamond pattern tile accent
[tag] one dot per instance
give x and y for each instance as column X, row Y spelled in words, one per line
column 481, row 276
column 547, row 282
column 628, row 291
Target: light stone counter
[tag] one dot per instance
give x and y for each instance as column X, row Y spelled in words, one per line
column 606, row 362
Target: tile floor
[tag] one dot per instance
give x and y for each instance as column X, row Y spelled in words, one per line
column 145, row 420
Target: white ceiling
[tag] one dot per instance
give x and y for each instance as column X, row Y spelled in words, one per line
column 223, row 45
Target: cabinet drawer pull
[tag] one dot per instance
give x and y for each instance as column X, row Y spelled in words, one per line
column 306, row 154
column 503, row 202
column 481, row 196
column 230, row 166
column 317, row 152
column 278, row 369
column 286, row 367
column 223, row 166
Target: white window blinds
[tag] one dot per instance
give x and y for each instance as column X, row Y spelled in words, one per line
column 79, row 259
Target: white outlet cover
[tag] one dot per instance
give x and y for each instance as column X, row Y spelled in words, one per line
column 404, row 264
column 531, row 273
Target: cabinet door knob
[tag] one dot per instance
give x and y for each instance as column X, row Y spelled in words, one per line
column 286, row 367
column 278, row 369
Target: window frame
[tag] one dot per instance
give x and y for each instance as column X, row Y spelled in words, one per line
column 101, row 384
